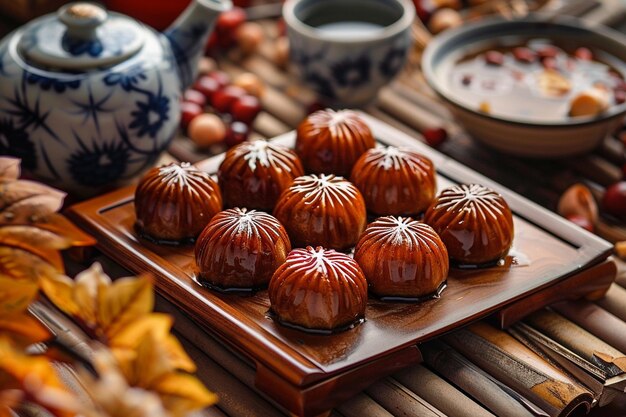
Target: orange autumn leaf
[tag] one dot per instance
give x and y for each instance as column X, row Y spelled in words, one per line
column 32, row 379
column 16, row 323
column 15, row 296
column 30, row 226
column 127, row 339
column 111, row 395
column 152, row 368
column 23, row 329
column 101, row 306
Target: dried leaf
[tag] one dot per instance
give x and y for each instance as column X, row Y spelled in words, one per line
column 9, row 168
column 15, row 296
column 182, row 393
column 31, row 232
column 23, row 201
column 103, row 307
column 123, row 301
column 35, row 377
column 129, row 337
column 22, row 265
column 23, row 329
column 152, row 368
column 112, row 396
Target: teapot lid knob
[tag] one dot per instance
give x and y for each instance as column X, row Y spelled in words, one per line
column 82, row 18
column 80, row 37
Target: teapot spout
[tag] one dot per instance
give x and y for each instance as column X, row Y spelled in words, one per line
column 189, row 34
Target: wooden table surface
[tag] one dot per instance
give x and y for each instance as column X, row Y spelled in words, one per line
column 418, row 391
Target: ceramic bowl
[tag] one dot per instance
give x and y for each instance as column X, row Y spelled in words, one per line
column 519, row 137
column 344, row 67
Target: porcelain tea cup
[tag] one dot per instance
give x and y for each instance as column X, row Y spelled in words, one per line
column 346, row 50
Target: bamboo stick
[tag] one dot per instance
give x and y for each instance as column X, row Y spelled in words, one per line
column 362, row 405
column 614, row 301
column 474, row 381
column 577, row 340
column 400, row 401
column 439, row 393
column 409, row 113
column 518, row 367
column 596, row 321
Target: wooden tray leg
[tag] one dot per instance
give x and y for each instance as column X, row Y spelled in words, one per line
column 319, row 398
column 591, row 283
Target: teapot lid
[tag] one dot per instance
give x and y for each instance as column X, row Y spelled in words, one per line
column 81, row 36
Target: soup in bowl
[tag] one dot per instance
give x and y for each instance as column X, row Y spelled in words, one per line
column 531, row 87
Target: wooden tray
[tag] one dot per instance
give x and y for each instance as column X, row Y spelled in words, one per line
column 307, row 373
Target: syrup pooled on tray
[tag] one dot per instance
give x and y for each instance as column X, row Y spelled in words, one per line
column 538, row 82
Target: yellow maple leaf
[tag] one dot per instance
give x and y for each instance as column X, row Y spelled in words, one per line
column 112, row 396
column 102, row 307
column 15, row 322
column 33, row 379
column 152, row 368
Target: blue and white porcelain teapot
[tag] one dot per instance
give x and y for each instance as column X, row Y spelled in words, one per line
column 89, row 99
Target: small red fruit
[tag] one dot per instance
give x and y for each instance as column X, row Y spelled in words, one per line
column 221, row 77
column 246, row 109
column 195, row 96
column 620, row 96
column 224, row 99
column 206, row 85
column 435, row 136
column 584, row 54
column 547, row 51
column 227, row 24
column 614, row 200
column 525, row 55
column 549, row 63
column 494, row 58
column 188, row 112
column 237, row 132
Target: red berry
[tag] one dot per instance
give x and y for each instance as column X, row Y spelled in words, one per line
column 494, row 58
column 549, row 63
column 584, row 54
column 525, row 55
column 224, row 99
column 195, row 96
column 435, row 136
column 226, row 25
column 614, row 200
column 547, row 51
column 581, row 221
column 620, row 85
column 188, row 111
column 237, row 132
column 206, row 85
column 221, row 77
column 246, row 109
column 620, row 96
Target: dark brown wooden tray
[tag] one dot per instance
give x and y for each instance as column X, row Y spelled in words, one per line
column 310, row 373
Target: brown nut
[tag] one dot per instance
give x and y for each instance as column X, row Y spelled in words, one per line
column 577, row 200
column 444, row 19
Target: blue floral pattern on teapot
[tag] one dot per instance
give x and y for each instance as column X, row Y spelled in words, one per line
column 101, row 124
